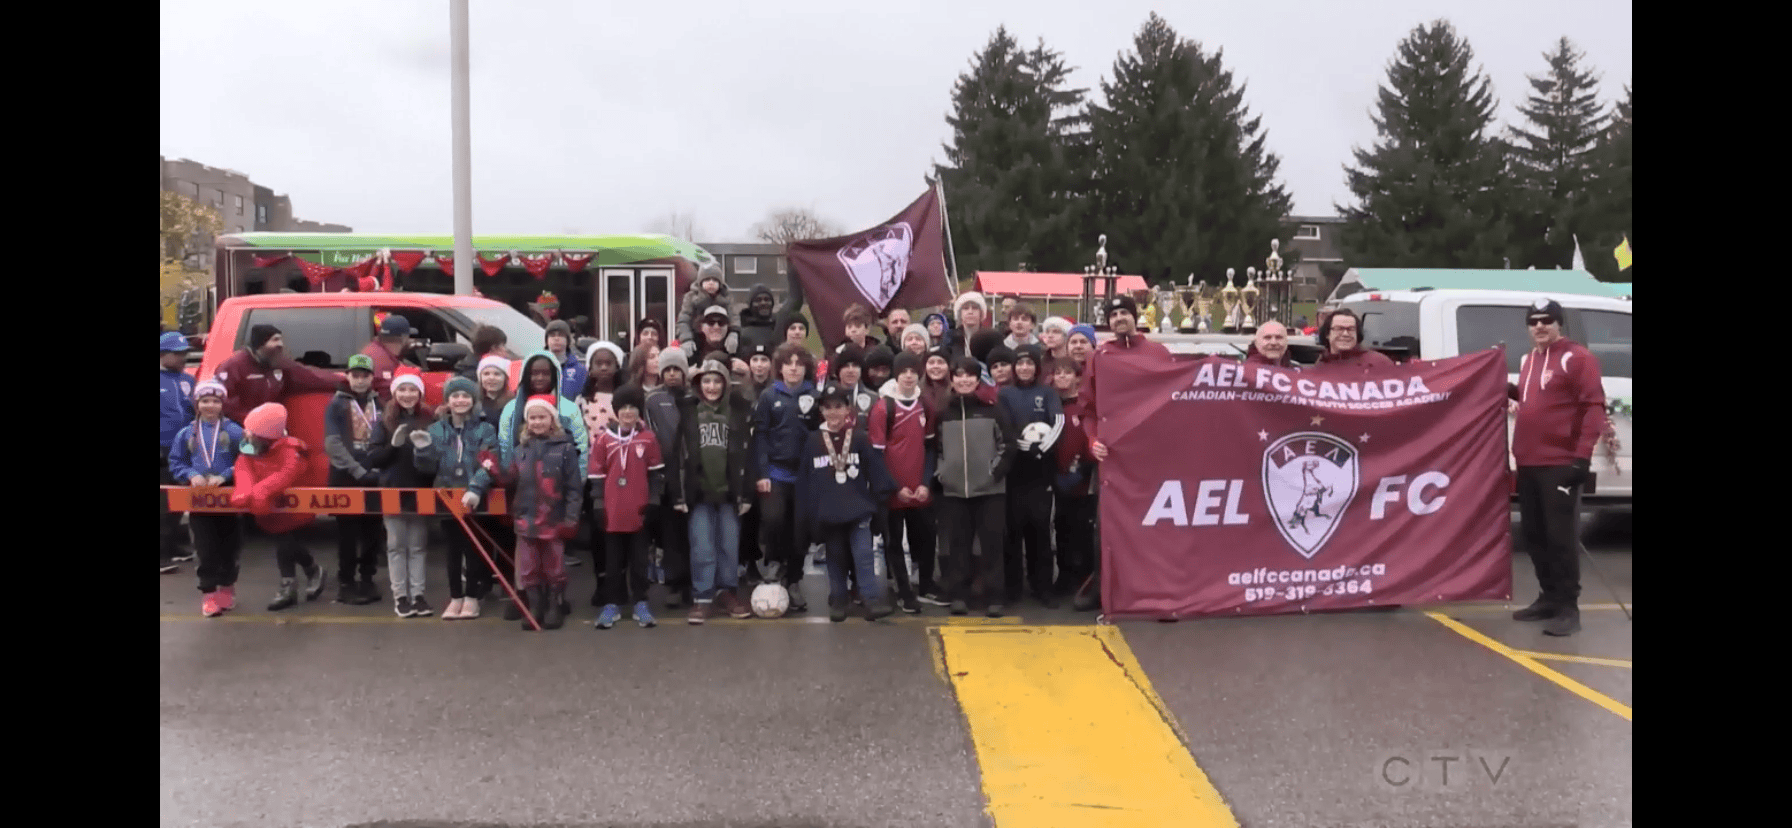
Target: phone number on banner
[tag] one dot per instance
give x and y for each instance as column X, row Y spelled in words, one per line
column 1301, row 584
column 1301, row 592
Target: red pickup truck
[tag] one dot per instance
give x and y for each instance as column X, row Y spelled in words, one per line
column 323, row 330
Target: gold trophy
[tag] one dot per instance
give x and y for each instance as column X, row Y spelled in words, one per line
column 1185, row 300
column 1250, row 298
column 1229, row 300
column 1281, row 291
column 1203, row 308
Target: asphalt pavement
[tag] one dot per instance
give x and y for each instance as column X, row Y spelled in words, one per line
column 332, row 715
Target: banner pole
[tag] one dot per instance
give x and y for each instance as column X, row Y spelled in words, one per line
column 946, row 223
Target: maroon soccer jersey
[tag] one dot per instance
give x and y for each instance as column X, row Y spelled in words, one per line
column 622, row 461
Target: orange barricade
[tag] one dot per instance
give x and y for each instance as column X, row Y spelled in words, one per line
column 330, row 501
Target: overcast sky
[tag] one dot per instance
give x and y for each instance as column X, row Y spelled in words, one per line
column 604, row 117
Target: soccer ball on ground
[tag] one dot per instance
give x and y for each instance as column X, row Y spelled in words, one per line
column 770, row 600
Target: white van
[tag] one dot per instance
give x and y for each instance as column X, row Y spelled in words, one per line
column 1433, row 324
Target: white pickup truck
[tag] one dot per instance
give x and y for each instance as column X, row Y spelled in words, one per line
column 1433, row 324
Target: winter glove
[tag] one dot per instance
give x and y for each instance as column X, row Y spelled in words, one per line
column 567, row 531
column 399, row 434
column 1578, row 472
column 470, row 501
column 421, row 439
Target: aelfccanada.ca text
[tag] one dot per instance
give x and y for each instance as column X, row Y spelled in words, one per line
column 1251, row 383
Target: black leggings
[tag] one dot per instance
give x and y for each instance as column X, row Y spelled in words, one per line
column 358, row 542
column 917, row 525
column 462, row 557
column 218, row 539
column 1029, row 539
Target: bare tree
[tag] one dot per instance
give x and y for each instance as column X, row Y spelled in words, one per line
column 680, row 224
column 794, row 224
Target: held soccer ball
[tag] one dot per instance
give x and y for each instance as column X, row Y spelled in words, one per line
column 1035, row 433
column 770, row 600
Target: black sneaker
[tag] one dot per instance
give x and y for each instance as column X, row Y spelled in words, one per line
column 348, row 594
column 797, row 603
column 184, row 556
column 369, row 594
column 168, row 567
column 959, row 608
column 911, row 606
column 933, row 596
column 1539, row 610
column 994, row 611
column 402, row 607
column 836, row 611
column 1566, row 622
column 420, row 607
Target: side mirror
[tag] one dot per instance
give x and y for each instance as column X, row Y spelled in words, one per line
column 443, row 356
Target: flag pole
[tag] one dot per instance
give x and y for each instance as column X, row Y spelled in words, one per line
column 939, row 187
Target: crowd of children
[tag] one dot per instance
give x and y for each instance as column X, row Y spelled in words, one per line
column 955, row 447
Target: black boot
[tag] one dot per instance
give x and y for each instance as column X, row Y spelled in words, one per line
column 555, row 614
column 1565, row 622
column 536, row 599
column 1541, row 609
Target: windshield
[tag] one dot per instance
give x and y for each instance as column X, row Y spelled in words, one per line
column 522, row 333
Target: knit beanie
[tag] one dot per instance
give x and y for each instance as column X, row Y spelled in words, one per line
column 673, row 358
column 629, row 396
column 849, row 354
column 906, row 361
column 560, row 327
column 984, row 341
column 969, row 297
column 1000, row 354
column 879, row 356
column 918, row 330
column 460, row 385
column 1088, row 332
column 210, row 387
column 1033, row 352
column 260, row 334
column 267, row 421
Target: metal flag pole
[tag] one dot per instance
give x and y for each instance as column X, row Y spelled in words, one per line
column 939, row 187
column 463, row 152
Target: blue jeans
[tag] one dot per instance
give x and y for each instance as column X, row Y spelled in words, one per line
column 842, row 538
column 715, row 548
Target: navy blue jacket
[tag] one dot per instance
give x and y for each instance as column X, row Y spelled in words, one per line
column 1037, row 403
column 781, row 429
column 822, row 498
column 177, row 404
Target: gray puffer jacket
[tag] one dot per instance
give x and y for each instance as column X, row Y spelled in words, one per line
column 976, row 447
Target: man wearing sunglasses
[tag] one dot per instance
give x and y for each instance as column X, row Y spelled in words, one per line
column 1560, row 417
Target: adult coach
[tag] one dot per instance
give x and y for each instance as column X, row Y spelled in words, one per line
column 1560, row 416
column 1123, row 318
column 263, row 373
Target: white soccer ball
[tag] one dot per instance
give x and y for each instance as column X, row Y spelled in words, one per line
column 1035, row 433
column 770, row 600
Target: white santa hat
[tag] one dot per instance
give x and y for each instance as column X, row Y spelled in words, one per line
column 495, row 361
column 408, row 379
column 605, row 345
column 966, row 298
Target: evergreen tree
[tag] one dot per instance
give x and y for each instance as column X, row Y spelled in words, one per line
column 1609, row 213
column 1433, row 191
column 1554, row 160
column 1011, row 190
column 1182, row 179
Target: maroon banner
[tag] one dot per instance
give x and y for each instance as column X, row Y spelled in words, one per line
column 896, row 264
column 1245, row 489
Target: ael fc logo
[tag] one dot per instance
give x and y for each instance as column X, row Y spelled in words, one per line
column 1309, row 479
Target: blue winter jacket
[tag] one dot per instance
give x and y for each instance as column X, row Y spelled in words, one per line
column 781, row 428
column 823, row 498
column 572, row 377
column 453, row 454
column 177, row 404
column 510, row 423
column 186, row 458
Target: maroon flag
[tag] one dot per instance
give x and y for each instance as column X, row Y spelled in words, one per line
column 899, row 263
column 1249, row 489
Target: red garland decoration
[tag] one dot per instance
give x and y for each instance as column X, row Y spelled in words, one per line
column 538, row 264
column 386, row 277
column 492, row 266
column 315, row 273
column 363, row 268
column 270, row 261
column 407, row 260
column 576, row 261
column 446, row 260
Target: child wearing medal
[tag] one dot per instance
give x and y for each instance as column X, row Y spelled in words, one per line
column 626, row 473
column 841, row 481
column 202, row 456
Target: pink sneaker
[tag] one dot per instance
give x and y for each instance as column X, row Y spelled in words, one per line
column 226, row 597
column 210, row 606
column 452, row 611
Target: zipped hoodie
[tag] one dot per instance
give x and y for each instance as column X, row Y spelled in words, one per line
column 823, row 498
column 976, row 447
column 186, row 457
column 510, row 423
column 348, row 438
column 452, row 455
column 903, row 428
column 1561, row 405
column 782, row 422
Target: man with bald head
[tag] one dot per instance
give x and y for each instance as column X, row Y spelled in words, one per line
column 1270, row 347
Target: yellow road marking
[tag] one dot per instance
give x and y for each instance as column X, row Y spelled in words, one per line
column 936, row 653
column 1535, row 666
column 1578, row 659
column 1069, row 732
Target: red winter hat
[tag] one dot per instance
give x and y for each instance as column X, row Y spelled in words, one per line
column 546, row 400
column 267, row 421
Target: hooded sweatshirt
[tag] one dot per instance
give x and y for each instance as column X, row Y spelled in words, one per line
column 350, row 423
column 712, row 460
column 768, row 328
column 510, row 423
column 823, row 497
column 782, row 421
column 903, row 428
column 1561, row 405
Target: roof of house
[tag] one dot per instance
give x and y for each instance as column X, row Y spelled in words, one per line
column 1573, row 282
column 1046, row 284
